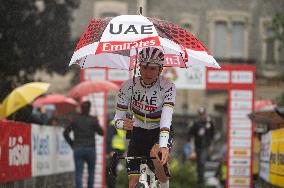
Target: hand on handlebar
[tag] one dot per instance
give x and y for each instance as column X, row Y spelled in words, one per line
column 128, row 124
column 163, row 155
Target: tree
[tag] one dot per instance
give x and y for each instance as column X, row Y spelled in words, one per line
column 34, row 34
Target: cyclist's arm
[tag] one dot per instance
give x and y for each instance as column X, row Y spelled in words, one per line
column 167, row 112
column 123, row 100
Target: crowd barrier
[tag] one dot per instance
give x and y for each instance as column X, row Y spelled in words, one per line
column 272, row 157
column 30, row 150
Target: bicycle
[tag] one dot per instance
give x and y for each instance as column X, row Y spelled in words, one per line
column 147, row 178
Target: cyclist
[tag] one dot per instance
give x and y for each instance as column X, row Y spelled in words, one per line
column 151, row 99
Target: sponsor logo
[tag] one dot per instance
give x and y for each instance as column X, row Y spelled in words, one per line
column 62, row 146
column 242, row 77
column 218, row 77
column 241, row 143
column 241, row 123
column 118, row 75
column 241, row 94
column 239, row 181
column 239, row 171
column 170, row 73
column 173, row 60
column 240, row 162
column 130, row 29
column 18, row 152
column 95, row 74
column 41, row 145
column 240, row 152
column 122, row 45
column 240, row 133
column 239, row 113
column 241, row 104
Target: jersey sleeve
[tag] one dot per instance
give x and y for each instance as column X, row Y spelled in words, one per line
column 123, row 99
column 169, row 96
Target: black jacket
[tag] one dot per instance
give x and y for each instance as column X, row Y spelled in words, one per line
column 84, row 128
column 203, row 133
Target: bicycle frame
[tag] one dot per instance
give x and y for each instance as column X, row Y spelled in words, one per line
column 144, row 181
column 145, row 171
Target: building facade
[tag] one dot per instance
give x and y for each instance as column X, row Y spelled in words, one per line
column 234, row 31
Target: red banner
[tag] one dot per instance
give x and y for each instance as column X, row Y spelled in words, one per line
column 15, row 151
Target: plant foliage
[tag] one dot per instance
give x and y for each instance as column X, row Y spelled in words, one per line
column 34, row 34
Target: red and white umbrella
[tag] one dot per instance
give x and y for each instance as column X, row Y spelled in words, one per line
column 91, row 86
column 114, row 43
column 62, row 103
column 264, row 105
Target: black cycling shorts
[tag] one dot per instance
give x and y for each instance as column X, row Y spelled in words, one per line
column 141, row 143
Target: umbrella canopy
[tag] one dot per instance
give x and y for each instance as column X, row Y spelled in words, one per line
column 91, row 86
column 115, row 42
column 62, row 103
column 264, row 105
column 22, row 96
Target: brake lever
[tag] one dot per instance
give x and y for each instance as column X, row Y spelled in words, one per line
column 114, row 161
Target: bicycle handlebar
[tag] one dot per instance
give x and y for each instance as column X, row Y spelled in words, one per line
column 115, row 158
column 136, row 157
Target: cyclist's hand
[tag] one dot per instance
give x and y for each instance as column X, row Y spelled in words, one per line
column 165, row 155
column 128, row 124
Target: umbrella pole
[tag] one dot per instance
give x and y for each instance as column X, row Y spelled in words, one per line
column 133, row 83
column 130, row 112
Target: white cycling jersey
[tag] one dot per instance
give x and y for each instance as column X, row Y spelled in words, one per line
column 152, row 106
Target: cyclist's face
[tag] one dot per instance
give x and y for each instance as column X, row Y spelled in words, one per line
column 149, row 73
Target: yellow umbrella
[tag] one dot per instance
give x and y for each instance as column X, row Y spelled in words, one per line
column 22, row 96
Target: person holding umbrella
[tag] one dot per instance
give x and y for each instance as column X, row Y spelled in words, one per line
column 151, row 99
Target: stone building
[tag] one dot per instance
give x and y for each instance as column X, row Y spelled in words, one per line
column 234, row 31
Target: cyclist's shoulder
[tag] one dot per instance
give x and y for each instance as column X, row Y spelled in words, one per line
column 127, row 84
column 167, row 83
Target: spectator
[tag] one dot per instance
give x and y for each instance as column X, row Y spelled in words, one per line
column 26, row 115
column 40, row 113
column 203, row 133
column 84, row 128
column 116, row 142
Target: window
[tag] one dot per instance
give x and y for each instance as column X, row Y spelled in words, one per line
column 271, row 50
column 109, row 8
column 189, row 22
column 228, row 34
column 187, row 26
column 270, row 43
column 220, row 39
column 238, row 42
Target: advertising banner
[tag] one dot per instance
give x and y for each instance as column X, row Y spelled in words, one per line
column 15, row 151
column 43, row 150
column 277, row 158
column 50, row 152
column 265, row 152
column 63, row 152
column 190, row 78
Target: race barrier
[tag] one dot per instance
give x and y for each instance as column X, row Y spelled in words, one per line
column 29, row 150
column 272, row 157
